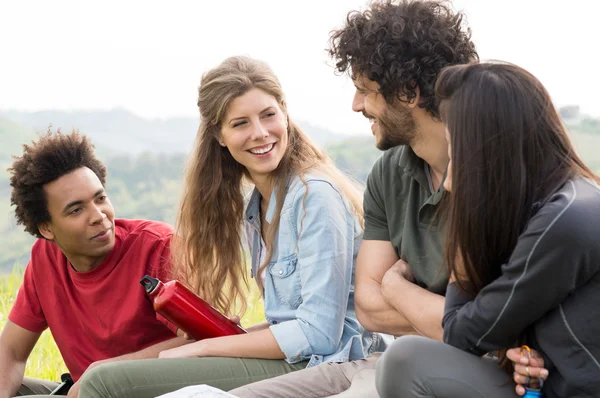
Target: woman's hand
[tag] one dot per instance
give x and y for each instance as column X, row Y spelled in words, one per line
column 526, row 366
column 191, row 350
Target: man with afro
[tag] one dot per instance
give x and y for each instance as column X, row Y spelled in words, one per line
column 82, row 281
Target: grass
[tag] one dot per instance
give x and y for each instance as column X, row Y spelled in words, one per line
column 45, row 361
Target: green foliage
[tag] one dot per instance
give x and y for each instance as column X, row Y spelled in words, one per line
column 45, row 361
column 355, row 156
column 590, row 126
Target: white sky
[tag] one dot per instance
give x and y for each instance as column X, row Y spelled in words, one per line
column 147, row 56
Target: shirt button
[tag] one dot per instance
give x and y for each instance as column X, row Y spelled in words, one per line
column 280, row 272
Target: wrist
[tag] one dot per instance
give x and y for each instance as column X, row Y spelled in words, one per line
column 390, row 288
column 201, row 348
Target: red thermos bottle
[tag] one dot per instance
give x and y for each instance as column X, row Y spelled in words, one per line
column 188, row 311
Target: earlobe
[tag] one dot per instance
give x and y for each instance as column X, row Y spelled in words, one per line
column 46, row 231
column 413, row 102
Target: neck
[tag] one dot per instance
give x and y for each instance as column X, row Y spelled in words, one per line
column 264, row 185
column 430, row 144
column 85, row 263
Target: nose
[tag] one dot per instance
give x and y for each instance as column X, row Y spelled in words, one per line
column 259, row 132
column 97, row 215
column 358, row 102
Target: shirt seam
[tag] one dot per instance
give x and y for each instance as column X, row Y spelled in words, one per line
column 562, row 314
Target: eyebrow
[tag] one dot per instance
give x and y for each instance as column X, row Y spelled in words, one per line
column 79, row 202
column 243, row 117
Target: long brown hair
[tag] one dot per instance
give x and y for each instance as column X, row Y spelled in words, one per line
column 207, row 250
column 509, row 150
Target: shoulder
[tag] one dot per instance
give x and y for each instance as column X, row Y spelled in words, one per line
column 571, row 214
column 154, row 230
column 44, row 251
column 391, row 158
column 312, row 186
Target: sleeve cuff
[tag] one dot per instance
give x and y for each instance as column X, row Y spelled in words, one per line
column 455, row 296
column 291, row 340
column 454, row 301
column 376, row 234
column 27, row 323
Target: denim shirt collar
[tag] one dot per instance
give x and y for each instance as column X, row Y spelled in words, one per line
column 253, row 209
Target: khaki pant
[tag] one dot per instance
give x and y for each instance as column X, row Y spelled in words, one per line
column 31, row 387
column 354, row 379
column 148, row 378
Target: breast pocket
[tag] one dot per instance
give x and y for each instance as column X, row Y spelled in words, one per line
column 286, row 280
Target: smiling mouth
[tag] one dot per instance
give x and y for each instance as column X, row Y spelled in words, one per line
column 262, row 150
column 101, row 234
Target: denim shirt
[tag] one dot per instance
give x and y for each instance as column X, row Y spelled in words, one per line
column 309, row 281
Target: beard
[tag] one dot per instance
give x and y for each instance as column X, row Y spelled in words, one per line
column 397, row 126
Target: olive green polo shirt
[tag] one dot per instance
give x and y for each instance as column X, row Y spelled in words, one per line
column 400, row 207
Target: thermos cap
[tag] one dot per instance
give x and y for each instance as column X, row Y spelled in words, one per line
column 149, row 283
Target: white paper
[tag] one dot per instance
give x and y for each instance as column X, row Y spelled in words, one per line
column 199, row 391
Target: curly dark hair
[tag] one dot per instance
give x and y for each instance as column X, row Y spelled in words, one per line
column 51, row 157
column 403, row 46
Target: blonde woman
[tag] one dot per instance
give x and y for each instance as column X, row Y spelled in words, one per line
column 303, row 224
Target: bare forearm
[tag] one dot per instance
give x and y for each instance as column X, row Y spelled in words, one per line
column 258, row 327
column 421, row 308
column 376, row 314
column 260, row 344
column 11, row 375
column 154, row 350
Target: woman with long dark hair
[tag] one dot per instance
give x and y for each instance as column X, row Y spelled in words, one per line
column 522, row 247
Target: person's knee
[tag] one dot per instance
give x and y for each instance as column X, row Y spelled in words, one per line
column 93, row 382
column 398, row 367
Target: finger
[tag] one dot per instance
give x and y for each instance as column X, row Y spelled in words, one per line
column 533, row 371
column 235, row 319
column 513, row 354
column 519, row 379
column 537, row 362
column 520, row 390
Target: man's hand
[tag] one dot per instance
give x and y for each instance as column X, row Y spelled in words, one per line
column 526, row 366
column 400, row 269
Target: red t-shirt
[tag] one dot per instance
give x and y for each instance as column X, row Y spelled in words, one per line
column 102, row 313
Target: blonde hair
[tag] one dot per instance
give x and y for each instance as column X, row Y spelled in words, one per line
column 207, row 248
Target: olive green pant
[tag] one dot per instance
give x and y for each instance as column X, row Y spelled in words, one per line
column 152, row 377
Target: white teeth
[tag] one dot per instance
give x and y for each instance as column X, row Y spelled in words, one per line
column 263, row 150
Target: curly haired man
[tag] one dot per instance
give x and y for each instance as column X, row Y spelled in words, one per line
column 393, row 52
column 82, row 279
